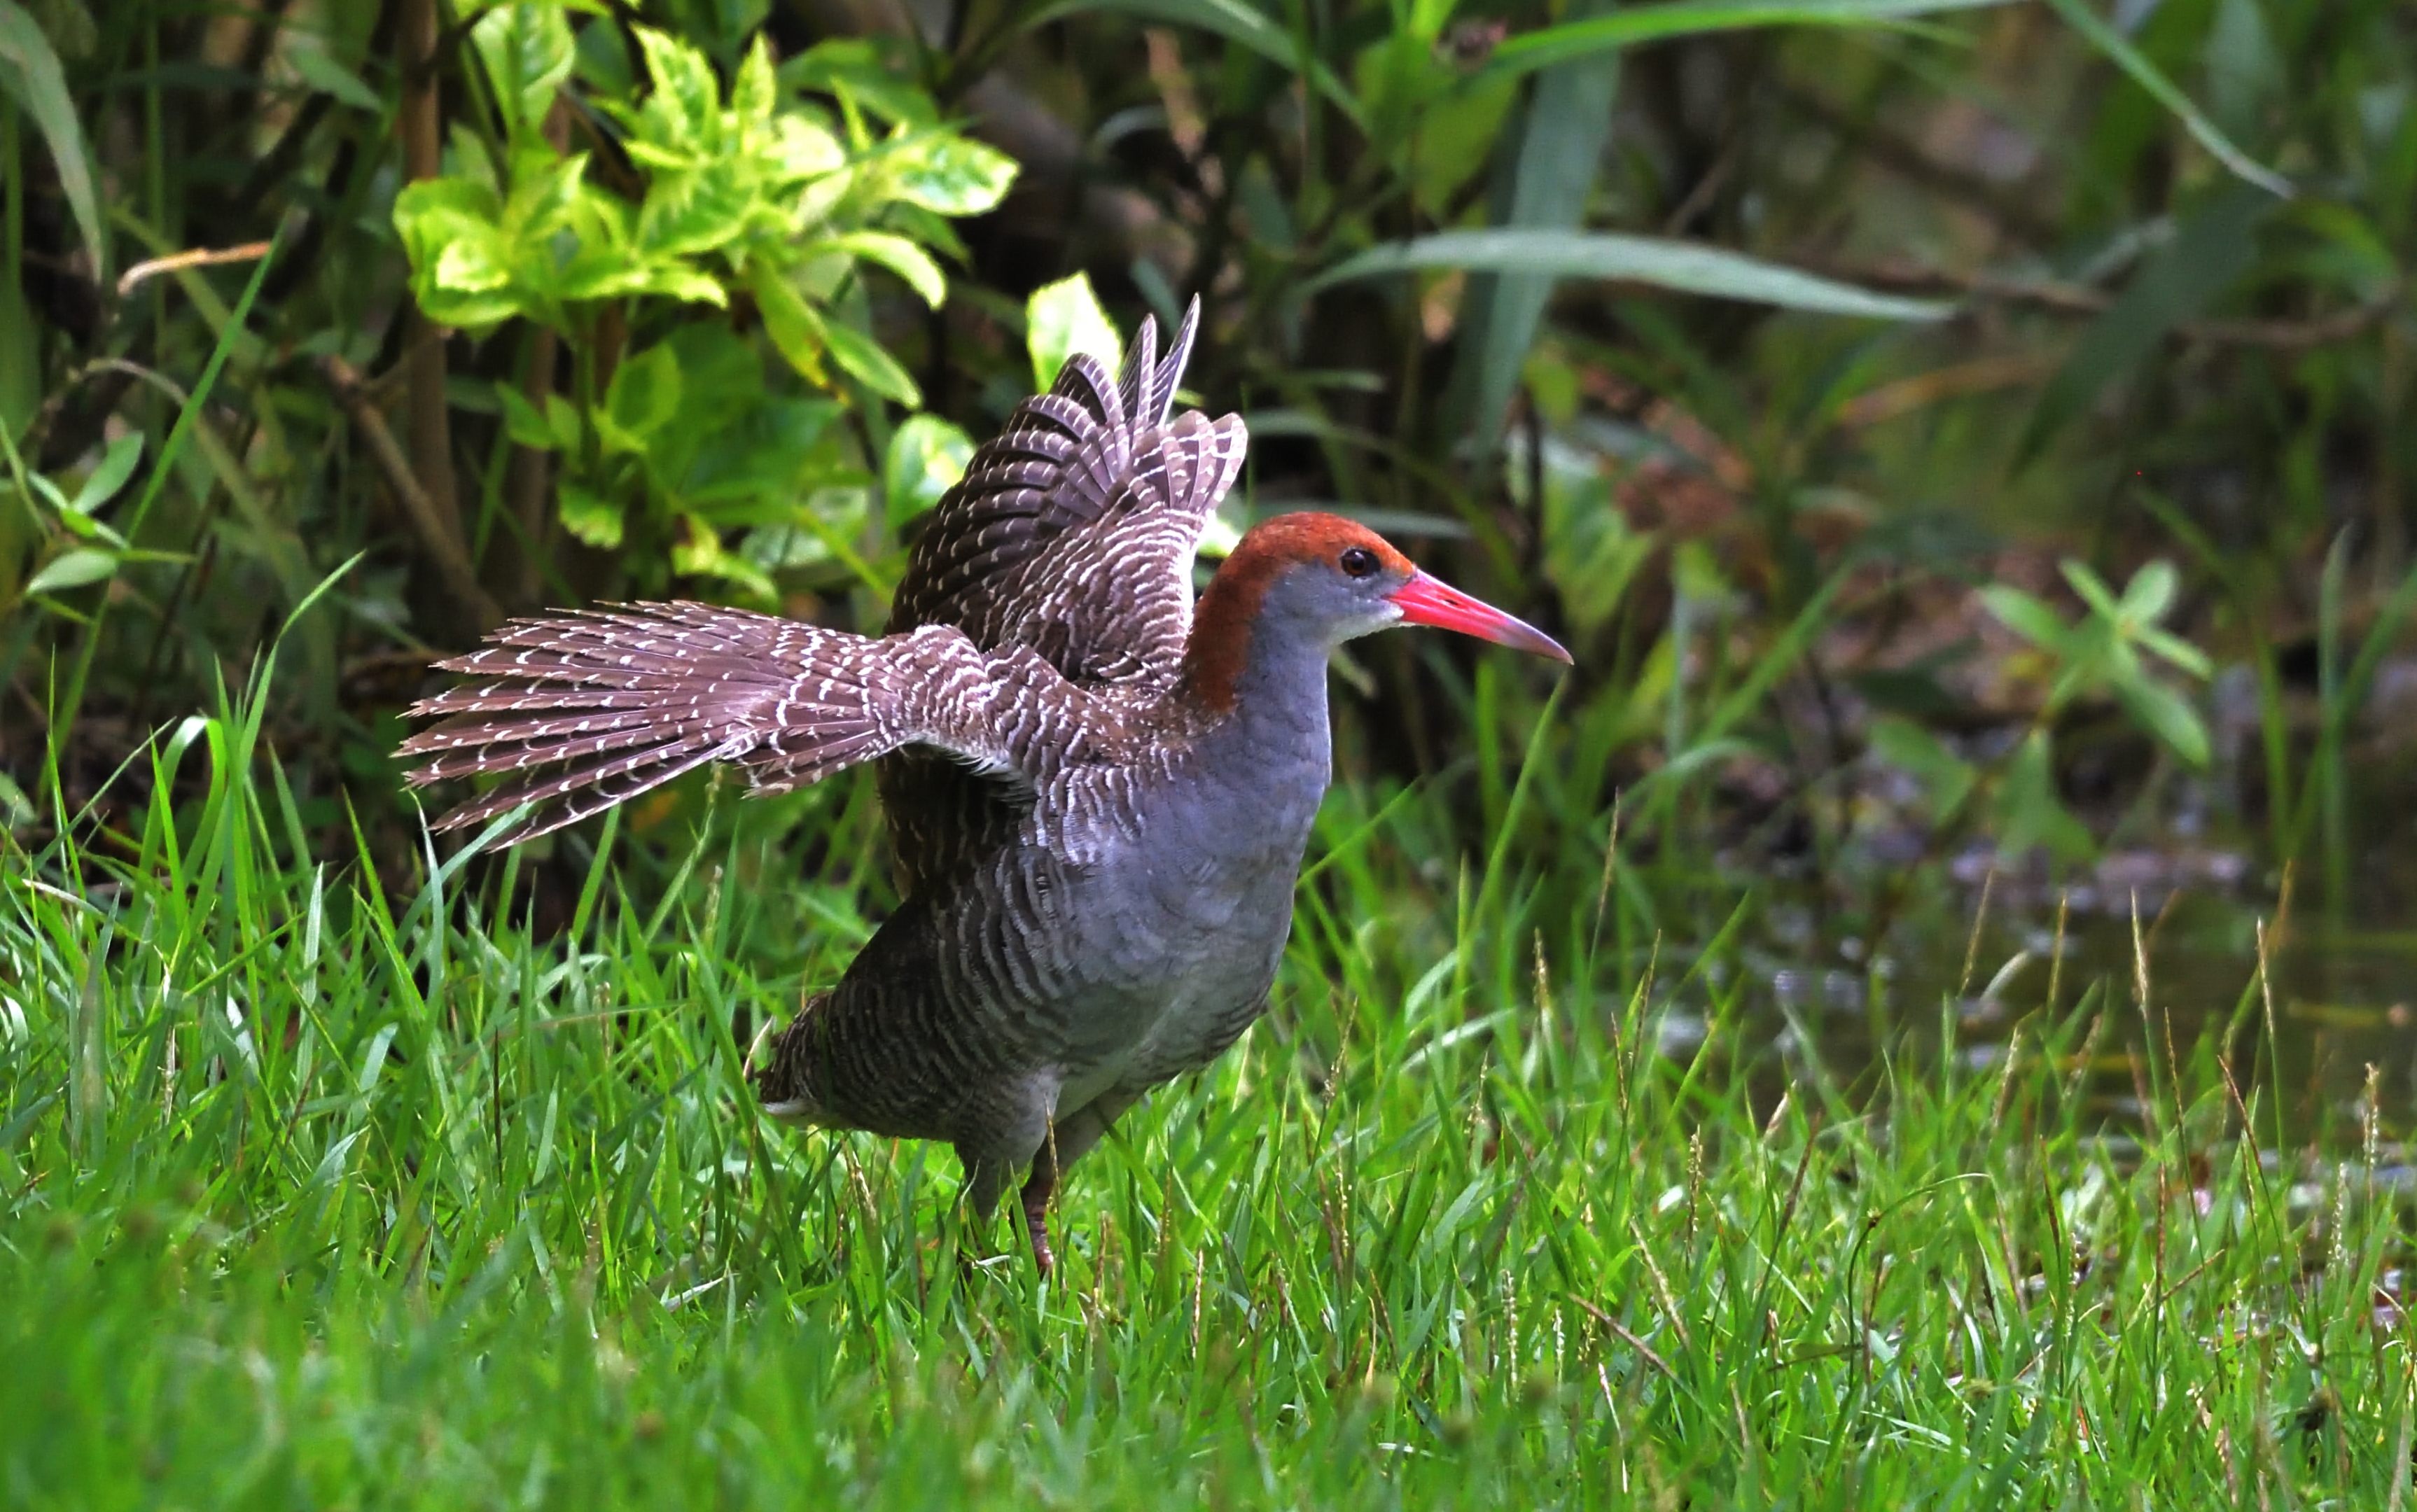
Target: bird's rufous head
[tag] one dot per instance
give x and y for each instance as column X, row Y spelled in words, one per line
column 1341, row 579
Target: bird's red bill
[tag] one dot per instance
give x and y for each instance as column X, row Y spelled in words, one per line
column 1423, row 600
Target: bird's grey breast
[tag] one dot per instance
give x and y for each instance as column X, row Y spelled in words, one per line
column 1182, row 900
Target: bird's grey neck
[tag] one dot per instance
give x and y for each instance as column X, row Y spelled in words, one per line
column 1278, row 709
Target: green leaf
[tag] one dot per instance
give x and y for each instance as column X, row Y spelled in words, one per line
column 528, row 52
column 73, row 569
column 118, row 464
column 596, row 521
column 2026, row 616
column 2183, row 655
column 790, row 322
column 2151, row 593
column 460, row 260
column 952, row 175
column 927, row 456
column 2167, row 715
column 31, row 76
column 1946, row 778
column 689, row 211
column 562, row 420
column 328, row 77
column 754, row 91
column 2245, row 68
column 2093, row 589
column 644, row 396
column 1551, row 178
column 896, row 253
column 1233, row 20
column 2028, row 811
column 851, row 68
column 1688, row 267
column 681, row 114
column 1694, row 18
column 864, row 359
column 524, row 421
column 1063, row 318
column 2160, row 89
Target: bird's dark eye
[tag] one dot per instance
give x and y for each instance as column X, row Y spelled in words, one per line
column 1358, row 561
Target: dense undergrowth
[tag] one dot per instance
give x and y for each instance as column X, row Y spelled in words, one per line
column 317, row 1195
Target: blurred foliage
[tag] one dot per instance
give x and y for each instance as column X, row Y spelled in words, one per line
column 1741, row 345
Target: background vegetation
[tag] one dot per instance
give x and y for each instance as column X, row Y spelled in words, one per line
column 1966, row 444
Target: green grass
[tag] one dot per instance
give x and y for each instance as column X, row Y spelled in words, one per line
column 314, row 1196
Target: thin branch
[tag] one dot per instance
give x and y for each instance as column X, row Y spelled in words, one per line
column 452, row 562
column 197, row 257
column 2083, row 300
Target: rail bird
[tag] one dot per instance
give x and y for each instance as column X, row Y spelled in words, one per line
column 1098, row 790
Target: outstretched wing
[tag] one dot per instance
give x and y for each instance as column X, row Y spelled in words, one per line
column 1073, row 532
column 582, row 711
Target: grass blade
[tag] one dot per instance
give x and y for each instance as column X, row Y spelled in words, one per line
column 1683, row 267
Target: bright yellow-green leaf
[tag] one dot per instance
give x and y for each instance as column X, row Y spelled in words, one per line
column 1064, row 318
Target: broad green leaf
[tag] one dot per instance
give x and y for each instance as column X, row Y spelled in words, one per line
column 851, row 68
column 528, row 52
column 2093, row 589
column 1551, row 177
column 863, row 358
column 700, row 552
column 689, row 211
column 2026, row 616
column 2028, row 811
column 1694, row 18
column 2160, row 89
column 524, row 421
column 118, row 464
column 896, row 253
column 30, row 75
column 2183, row 655
column 952, row 175
column 1064, row 318
column 790, row 322
column 323, row 74
column 927, row 456
column 73, row 569
column 805, row 150
column 1234, row 20
column 448, row 232
column 1687, row 267
column 2245, row 69
column 755, row 93
column 477, row 259
column 1946, row 778
column 644, row 396
column 562, row 420
column 596, row 521
column 2167, row 715
column 2151, row 593
column 685, row 106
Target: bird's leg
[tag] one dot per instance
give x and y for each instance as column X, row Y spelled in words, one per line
column 1038, row 1189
